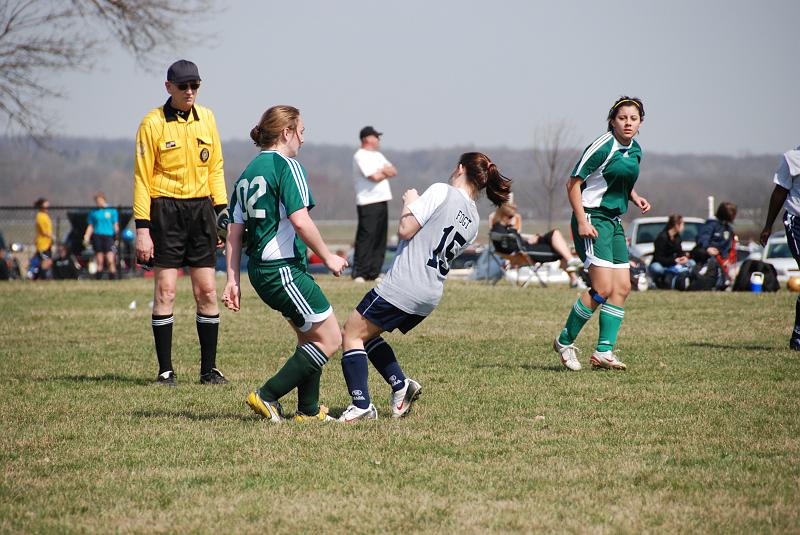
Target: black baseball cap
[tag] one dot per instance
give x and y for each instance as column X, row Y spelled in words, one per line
column 182, row 71
column 369, row 131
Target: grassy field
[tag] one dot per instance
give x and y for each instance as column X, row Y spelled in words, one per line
column 701, row 434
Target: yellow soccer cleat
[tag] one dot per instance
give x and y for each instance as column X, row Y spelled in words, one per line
column 271, row 410
column 321, row 416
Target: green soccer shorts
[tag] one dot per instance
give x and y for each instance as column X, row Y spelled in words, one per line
column 609, row 249
column 292, row 292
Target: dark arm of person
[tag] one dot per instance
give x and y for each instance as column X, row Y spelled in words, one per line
column 776, row 201
column 704, row 235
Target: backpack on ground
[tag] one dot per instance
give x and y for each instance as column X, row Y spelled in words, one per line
column 742, row 282
column 707, row 276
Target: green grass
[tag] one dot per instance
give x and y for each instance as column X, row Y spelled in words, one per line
column 701, row 434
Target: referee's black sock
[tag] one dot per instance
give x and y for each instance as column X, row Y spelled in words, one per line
column 207, row 332
column 162, row 334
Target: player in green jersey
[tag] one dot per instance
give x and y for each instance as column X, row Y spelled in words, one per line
column 599, row 189
column 269, row 216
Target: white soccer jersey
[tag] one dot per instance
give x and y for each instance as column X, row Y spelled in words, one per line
column 449, row 220
column 788, row 177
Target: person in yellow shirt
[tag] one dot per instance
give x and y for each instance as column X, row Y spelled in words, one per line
column 180, row 209
column 44, row 239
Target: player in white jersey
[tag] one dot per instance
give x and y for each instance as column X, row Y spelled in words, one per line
column 786, row 194
column 435, row 228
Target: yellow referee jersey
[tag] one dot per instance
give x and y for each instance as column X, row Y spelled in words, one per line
column 179, row 156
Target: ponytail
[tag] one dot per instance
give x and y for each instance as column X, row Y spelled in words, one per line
column 482, row 173
column 268, row 130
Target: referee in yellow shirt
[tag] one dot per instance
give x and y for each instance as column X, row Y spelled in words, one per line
column 179, row 203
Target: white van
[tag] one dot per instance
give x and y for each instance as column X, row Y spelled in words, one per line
column 642, row 233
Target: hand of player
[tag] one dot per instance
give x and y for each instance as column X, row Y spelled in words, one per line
column 144, row 245
column 410, row 196
column 586, row 230
column 336, row 264
column 231, row 296
column 765, row 233
column 643, row 205
column 713, row 251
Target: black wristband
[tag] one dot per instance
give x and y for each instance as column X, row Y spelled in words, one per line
column 142, row 223
column 219, row 208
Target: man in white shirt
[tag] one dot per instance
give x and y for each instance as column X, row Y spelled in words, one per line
column 371, row 174
column 786, row 194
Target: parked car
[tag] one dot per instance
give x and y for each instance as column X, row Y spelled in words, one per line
column 643, row 231
column 777, row 253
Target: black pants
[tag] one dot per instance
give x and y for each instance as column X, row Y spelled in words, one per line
column 373, row 223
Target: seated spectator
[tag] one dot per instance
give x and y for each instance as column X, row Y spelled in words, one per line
column 65, row 265
column 668, row 255
column 506, row 219
column 715, row 237
column 715, row 240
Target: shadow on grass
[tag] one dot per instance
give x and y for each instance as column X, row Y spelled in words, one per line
column 107, row 378
column 542, row 367
column 750, row 347
column 198, row 417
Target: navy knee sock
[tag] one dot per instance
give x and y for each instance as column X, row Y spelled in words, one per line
column 356, row 374
column 796, row 332
column 382, row 356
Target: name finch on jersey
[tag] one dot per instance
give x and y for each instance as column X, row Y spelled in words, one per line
column 449, row 221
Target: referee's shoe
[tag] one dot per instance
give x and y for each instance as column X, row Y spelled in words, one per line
column 213, row 377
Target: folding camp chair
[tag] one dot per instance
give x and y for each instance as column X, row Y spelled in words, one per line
column 517, row 257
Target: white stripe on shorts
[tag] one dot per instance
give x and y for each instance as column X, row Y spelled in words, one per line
column 294, row 293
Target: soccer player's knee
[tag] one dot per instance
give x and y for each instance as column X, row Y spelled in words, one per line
column 598, row 297
column 331, row 343
column 623, row 289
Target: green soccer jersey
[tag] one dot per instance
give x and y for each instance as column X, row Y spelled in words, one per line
column 271, row 188
column 608, row 171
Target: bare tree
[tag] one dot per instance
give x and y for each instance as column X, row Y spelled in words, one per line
column 554, row 156
column 41, row 38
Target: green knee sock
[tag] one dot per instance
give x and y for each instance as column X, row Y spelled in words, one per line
column 306, row 361
column 610, row 320
column 308, row 395
column 577, row 318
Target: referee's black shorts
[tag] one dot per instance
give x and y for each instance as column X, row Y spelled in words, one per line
column 184, row 232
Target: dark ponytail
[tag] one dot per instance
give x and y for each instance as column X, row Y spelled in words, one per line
column 482, row 173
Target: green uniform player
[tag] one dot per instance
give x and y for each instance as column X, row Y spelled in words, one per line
column 599, row 189
column 269, row 217
column 607, row 171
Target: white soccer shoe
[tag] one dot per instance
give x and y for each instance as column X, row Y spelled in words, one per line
column 404, row 398
column 606, row 359
column 353, row 414
column 569, row 355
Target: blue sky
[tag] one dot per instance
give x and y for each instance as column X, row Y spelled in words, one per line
column 716, row 76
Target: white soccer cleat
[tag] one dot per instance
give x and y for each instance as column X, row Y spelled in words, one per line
column 353, row 414
column 404, row 398
column 569, row 355
column 607, row 360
